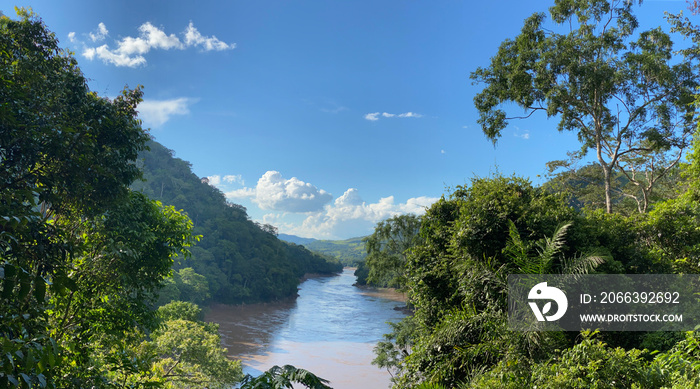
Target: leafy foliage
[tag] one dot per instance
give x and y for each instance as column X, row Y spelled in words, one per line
column 81, row 255
column 457, row 282
column 387, row 250
column 283, row 377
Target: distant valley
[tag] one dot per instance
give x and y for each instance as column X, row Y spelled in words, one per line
column 349, row 251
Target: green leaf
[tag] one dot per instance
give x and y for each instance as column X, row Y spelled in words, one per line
column 39, row 289
column 10, row 270
column 42, row 380
column 7, row 288
column 24, row 287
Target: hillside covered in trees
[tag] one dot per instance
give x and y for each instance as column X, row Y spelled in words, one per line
column 349, row 252
column 242, row 261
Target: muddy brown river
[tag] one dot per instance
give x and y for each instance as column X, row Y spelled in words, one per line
column 330, row 329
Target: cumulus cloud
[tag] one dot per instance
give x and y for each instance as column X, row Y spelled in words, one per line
column 350, row 216
column 274, row 192
column 130, row 51
column 155, row 113
column 98, row 35
column 239, row 194
column 375, row 115
column 300, row 208
column 194, row 38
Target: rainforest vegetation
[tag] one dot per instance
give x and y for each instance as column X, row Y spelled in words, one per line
column 634, row 208
column 108, row 242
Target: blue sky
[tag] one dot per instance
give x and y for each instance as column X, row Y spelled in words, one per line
column 321, row 117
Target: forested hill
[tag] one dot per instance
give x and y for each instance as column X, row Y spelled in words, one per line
column 349, row 252
column 241, row 260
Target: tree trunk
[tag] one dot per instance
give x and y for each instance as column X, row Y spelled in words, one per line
column 608, row 189
column 607, row 171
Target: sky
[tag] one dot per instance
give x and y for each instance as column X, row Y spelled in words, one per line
column 322, row 118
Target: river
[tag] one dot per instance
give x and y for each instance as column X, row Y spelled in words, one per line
column 330, row 330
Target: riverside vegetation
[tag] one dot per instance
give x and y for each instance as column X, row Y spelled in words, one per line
column 636, row 210
column 88, row 251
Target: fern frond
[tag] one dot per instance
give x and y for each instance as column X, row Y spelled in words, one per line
column 549, row 248
column 578, row 266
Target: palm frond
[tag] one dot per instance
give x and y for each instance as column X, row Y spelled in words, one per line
column 549, row 248
column 578, row 266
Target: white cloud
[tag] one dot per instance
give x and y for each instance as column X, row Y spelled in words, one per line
column 417, row 205
column 242, row 193
column 273, row 192
column 194, row 38
column 375, row 116
column 302, row 209
column 214, row 180
column 231, row 179
column 99, row 35
column 350, row 216
column 130, row 51
column 276, row 193
column 443, row 152
column 372, row 116
column 114, row 57
column 151, row 37
column 155, row 113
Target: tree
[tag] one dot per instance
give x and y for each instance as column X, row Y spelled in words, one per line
column 80, row 253
column 628, row 100
column 455, row 280
column 672, row 228
column 387, row 249
column 189, row 351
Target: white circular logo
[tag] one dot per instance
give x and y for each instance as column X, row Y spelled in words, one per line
column 543, row 292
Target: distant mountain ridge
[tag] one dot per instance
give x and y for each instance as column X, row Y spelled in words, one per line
column 296, row 239
column 349, row 252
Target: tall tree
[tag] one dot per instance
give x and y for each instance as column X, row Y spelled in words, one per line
column 628, row 100
column 387, row 249
column 80, row 253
